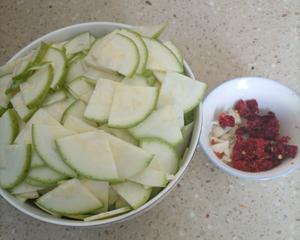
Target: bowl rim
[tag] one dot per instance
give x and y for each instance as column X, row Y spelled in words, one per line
column 152, row 202
column 225, row 167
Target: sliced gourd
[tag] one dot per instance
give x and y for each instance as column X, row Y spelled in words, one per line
column 118, row 53
column 128, row 158
column 165, row 154
column 5, row 82
column 150, row 177
column 175, row 50
column 20, row 71
column 20, row 106
column 22, row 64
column 189, row 116
column 16, row 160
column 94, row 75
column 39, row 184
column 8, row 67
column 90, row 155
column 163, row 123
column 124, row 135
column 136, row 80
column 58, row 61
column 43, row 138
column 46, row 210
column 36, row 88
column 181, row 90
column 2, row 110
column 36, row 161
column 133, row 193
column 28, row 195
column 57, row 110
column 143, row 52
column 9, row 127
column 112, row 197
column 76, row 69
column 160, row 57
column 75, row 109
column 120, row 203
column 159, row 75
column 131, row 105
column 186, row 134
column 40, row 117
column 99, row 189
column 99, row 106
column 81, row 89
column 24, row 187
column 77, row 125
column 55, row 97
column 39, row 55
column 151, row 31
column 108, row 214
column 45, row 175
column 78, row 43
column 59, row 45
column 71, row 197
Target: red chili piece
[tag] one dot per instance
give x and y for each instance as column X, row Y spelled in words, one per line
column 258, row 146
column 226, row 120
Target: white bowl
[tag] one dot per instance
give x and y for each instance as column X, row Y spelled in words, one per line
column 99, row 29
column 270, row 95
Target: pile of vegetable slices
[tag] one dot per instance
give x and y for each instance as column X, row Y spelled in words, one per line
column 94, row 127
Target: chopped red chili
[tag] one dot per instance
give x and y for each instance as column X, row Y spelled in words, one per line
column 258, row 146
column 226, row 120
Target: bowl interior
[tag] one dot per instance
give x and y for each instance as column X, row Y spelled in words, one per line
column 270, row 95
column 99, row 29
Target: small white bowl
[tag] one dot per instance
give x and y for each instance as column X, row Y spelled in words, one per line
column 270, row 95
column 99, row 29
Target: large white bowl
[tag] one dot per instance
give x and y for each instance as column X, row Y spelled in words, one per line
column 270, row 95
column 99, row 29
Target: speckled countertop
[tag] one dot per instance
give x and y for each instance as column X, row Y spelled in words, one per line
column 221, row 39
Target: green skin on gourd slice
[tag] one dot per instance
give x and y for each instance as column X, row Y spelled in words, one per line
column 128, row 158
column 108, row 214
column 99, row 105
column 55, row 97
column 24, row 187
column 133, row 193
column 58, row 60
column 182, row 91
column 36, row 88
column 45, row 175
column 131, row 105
column 57, row 110
column 78, row 43
column 5, row 82
column 9, row 127
column 75, row 69
column 164, row 123
column 71, row 197
column 94, row 148
column 20, row 107
column 160, row 57
column 100, row 190
column 164, row 153
column 81, row 89
column 151, row 31
column 141, row 46
column 117, row 53
column 16, row 165
column 43, row 139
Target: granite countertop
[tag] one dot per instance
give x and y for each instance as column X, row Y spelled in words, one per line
column 221, row 40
